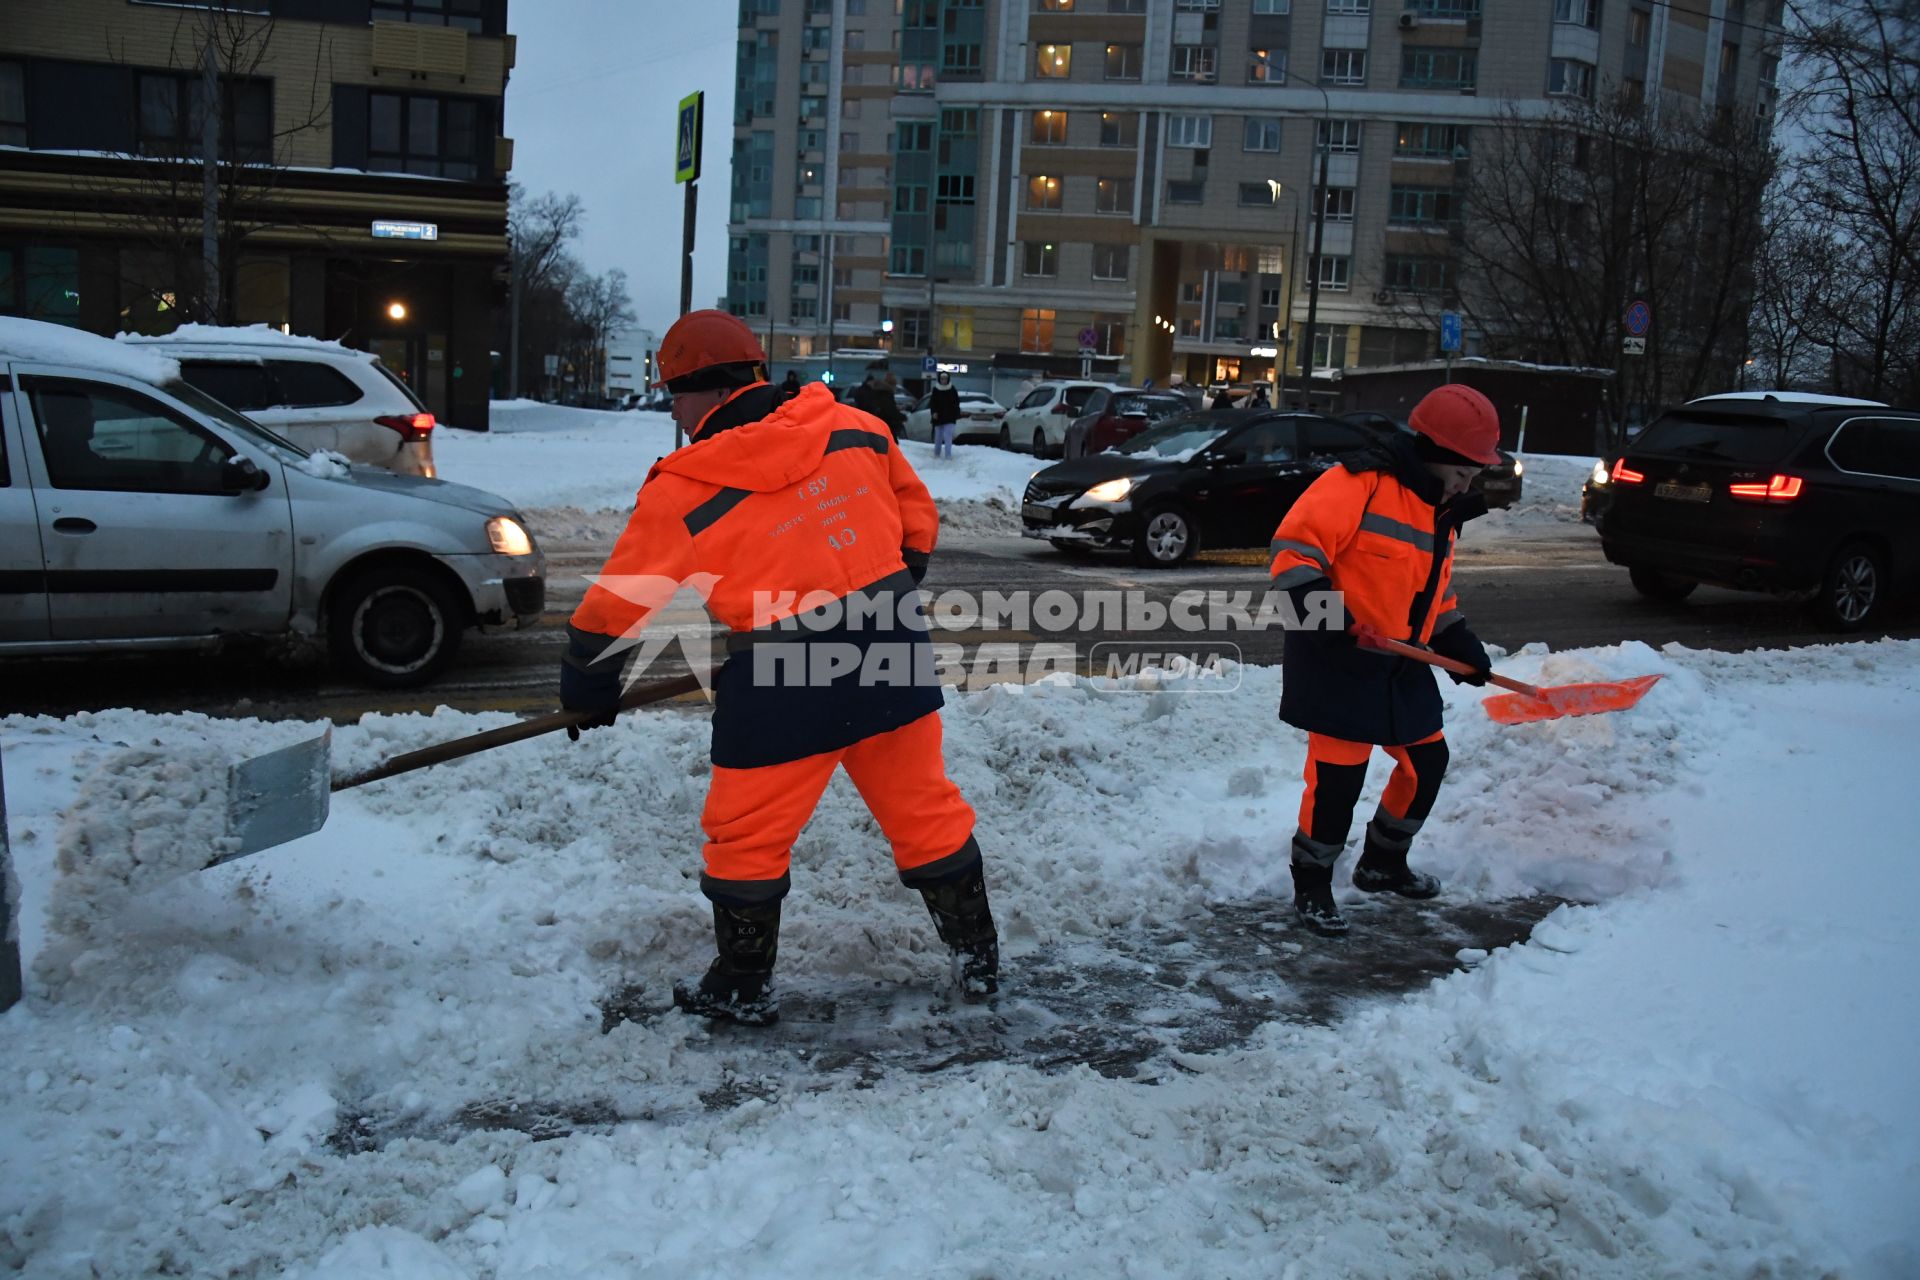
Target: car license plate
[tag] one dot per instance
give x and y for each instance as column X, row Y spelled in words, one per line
column 1683, row 492
column 1037, row 511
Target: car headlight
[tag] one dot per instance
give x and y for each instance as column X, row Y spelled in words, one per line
column 1599, row 475
column 508, row 538
column 1519, row 468
column 1110, row 490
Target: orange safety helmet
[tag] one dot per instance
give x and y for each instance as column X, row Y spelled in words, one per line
column 709, row 339
column 1460, row 420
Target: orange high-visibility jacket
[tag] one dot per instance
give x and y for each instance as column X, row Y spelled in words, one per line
column 785, row 507
column 1376, row 541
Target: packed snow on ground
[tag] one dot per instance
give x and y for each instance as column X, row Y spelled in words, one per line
column 1707, row 1072
column 563, row 466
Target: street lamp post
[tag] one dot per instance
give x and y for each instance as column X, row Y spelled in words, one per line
column 1283, row 331
column 1318, row 187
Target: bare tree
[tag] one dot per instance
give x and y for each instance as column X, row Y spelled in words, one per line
column 1858, row 106
column 600, row 307
column 539, row 228
column 1574, row 217
column 1794, row 275
column 160, row 189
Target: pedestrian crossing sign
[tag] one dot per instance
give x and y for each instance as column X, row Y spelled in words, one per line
column 686, row 152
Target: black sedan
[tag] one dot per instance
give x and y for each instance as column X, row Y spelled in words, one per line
column 1222, row 478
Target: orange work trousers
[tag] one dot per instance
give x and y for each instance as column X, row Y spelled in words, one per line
column 753, row 816
column 1335, row 772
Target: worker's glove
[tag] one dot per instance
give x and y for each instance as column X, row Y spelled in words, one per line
column 1459, row 643
column 587, row 685
column 916, row 562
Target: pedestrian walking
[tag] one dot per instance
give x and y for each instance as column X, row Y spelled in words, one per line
column 1379, row 529
column 776, row 504
column 790, row 386
column 944, row 408
column 1223, row 399
column 875, row 396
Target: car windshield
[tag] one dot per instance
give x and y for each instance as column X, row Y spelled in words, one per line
column 1720, row 436
column 190, row 395
column 1178, row 440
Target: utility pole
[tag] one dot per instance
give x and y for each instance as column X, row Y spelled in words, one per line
column 827, row 293
column 686, row 171
column 1283, row 331
column 1313, row 268
column 210, row 177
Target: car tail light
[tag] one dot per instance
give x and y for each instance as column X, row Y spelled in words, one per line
column 413, row 427
column 1778, row 489
column 1623, row 474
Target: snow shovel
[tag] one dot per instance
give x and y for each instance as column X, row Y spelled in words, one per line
column 1529, row 702
column 283, row 795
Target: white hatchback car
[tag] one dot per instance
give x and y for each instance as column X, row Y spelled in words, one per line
column 319, row 395
column 138, row 512
column 1039, row 422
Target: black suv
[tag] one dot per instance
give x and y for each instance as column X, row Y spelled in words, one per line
column 1800, row 495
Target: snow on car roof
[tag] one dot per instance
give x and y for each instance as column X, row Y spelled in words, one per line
column 37, row 340
column 1792, row 397
column 252, row 335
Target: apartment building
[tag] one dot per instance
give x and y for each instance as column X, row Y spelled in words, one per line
column 362, row 185
column 1010, row 182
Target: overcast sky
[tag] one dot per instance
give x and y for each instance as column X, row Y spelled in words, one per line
column 591, row 108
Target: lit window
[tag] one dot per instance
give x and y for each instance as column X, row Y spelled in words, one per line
column 1053, row 61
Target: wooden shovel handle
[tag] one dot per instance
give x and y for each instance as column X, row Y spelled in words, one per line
column 439, row 753
column 1433, row 659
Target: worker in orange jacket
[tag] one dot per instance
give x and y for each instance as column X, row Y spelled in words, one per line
column 815, row 532
column 1379, row 530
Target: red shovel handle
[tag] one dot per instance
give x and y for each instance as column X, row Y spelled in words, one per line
column 1452, row 664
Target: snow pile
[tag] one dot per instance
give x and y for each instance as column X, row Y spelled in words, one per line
column 1549, row 494
column 326, row 464
column 41, row 342
column 1707, row 1074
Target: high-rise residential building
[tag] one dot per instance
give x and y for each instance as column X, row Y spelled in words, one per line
column 361, row 187
column 1005, row 180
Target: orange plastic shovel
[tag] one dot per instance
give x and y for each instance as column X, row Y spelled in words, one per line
column 1529, row 702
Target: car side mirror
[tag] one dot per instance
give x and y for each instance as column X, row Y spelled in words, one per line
column 241, row 474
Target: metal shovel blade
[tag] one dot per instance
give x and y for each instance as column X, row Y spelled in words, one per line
column 1556, row 701
column 278, row 797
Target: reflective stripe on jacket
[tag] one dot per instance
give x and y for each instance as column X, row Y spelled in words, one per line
column 773, row 511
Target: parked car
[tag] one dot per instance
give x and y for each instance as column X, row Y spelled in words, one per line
column 1039, row 421
column 1813, row 497
column 1212, row 479
column 979, row 419
column 1500, row 484
column 1113, row 417
column 319, row 395
column 655, row 401
column 138, row 512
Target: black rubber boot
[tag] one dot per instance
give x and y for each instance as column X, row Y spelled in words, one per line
column 958, row 905
column 1313, row 900
column 738, row 986
column 1382, row 869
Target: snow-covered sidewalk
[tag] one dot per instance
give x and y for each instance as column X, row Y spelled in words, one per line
column 1707, row 1073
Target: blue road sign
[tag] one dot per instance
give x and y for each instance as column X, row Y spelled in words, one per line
column 1449, row 330
column 926, row 364
column 1639, row 318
